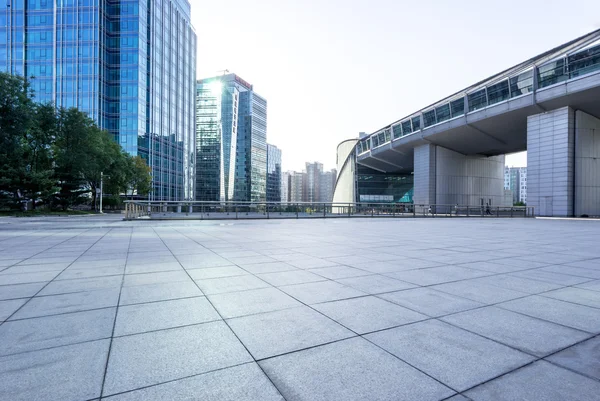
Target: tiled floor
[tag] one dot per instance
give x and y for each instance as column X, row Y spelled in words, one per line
column 94, row 308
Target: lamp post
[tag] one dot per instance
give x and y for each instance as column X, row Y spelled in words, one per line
column 101, row 192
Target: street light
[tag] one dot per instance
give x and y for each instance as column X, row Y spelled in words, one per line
column 101, row 183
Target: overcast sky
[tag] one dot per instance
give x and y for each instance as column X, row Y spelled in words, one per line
column 332, row 68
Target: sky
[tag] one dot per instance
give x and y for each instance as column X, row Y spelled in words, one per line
column 330, row 69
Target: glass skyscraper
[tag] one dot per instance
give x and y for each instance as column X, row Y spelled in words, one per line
column 231, row 140
column 273, row 173
column 129, row 64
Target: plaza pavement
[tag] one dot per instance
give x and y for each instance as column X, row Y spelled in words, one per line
column 347, row 309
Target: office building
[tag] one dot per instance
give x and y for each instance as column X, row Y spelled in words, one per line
column 130, row 65
column 231, row 141
column 327, row 185
column 515, row 180
column 273, row 174
column 285, row 186
column 297, row 186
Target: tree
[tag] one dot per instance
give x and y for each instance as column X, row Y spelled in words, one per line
column 16, row 120
column 72, row 148
column 140, row 178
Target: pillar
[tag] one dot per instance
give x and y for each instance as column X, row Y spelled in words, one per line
column 587, row 165
column 446, row 177
column 550, row 162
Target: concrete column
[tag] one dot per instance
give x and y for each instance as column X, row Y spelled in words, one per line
column 445, row 177
column 550, row 162
column 424, row 175
column 587, row 165
column 469, row 180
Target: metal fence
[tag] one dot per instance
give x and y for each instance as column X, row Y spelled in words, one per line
column 306, row 210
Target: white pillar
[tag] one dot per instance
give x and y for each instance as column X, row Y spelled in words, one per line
column 550, row 162
column 587, row 165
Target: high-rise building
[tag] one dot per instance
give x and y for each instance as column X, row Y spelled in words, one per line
column 515, row 180
column 130, row 65
column 297, row 186
column 285, row 186
column 327, row 185
column 313, row 182
column 231, row 140
column 273, row 174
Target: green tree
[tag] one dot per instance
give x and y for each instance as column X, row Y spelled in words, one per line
column 16, row 121
column 139, row 177
column 73, row 150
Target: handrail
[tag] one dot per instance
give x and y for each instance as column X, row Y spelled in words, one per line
column 207, row 210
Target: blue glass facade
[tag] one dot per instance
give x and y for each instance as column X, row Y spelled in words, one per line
column 273, row 173
column 231, row 141
column 129, row 64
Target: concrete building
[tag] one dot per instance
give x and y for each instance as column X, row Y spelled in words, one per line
column 548, row 105
column 231, row 141
column 515, row 180
column 285, row 186
column 274, row 174
column 297, row 186
column 327, row 185
column 131, row 66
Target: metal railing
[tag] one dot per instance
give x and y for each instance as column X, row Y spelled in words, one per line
column 304, row 210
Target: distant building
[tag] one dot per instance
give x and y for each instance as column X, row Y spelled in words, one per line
column 327, row 185
column 231, row 141
column 273, row 174
column 314, row 171
column 285, row 186
column 297, row 186
column 515, row 180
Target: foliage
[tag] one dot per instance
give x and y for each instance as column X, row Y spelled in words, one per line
column 519, row 203
column 58, row 157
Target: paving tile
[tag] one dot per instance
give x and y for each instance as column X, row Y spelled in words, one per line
column 153, row 267
column 348, row 370
column 590, row 285
column 322, row 291
column 430, row 302
column 155, row 278
column 216, row 272
column 490, row 266
column 159, row 292
column 551, row 277
column 291, row 277
column 244, row 303
column 274, row 333
column 52, row 331
column 367, row 314
column 66, row 303
column 453, row 356
column 577, row 296
column 80, row 285
column 231, row 284
column 520, row 284
column 20, row 290
column 304, row 262
column 477, row 291
column 339, row 272
column 133, row 319
column 375, row 284
column 240, row 383
column 437, row 275
column 566, row 313
column 23, row 278
column 538, row 381
column 385, row 266
column 580, row 272
column 583, row 358
column 586, row 264
column 522, row 332
column 271, row 267
column 68, row 373
column 203, row 261
column 9, row 307
column 152, row 358
column 71, row 273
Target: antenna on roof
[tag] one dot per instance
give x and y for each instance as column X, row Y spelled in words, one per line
column 223, row 72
